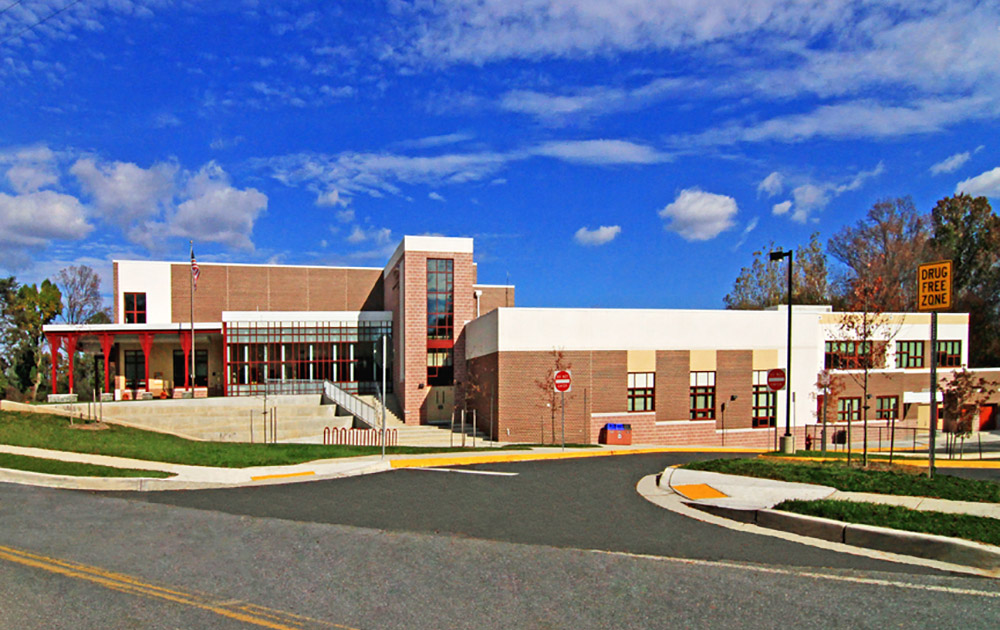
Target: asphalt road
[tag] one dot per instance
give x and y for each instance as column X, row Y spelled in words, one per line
column 421, row 549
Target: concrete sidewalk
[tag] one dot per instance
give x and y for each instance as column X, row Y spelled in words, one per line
column 749, row 501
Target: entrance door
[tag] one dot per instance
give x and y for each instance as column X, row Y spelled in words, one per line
column 440, row 403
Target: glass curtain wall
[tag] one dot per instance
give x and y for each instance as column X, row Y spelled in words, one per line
column 296, row 357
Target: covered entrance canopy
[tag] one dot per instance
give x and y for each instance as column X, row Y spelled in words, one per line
column 105, row 339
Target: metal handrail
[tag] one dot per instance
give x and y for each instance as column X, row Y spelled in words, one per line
column 351, row 404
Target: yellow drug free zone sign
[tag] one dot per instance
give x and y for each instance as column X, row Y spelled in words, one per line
column 934, row 286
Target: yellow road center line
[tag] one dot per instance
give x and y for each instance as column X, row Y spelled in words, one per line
column 247, row 613
column 696, row 491
column 307, row 473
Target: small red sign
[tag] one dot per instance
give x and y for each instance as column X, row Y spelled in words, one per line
column 776, row 379
column 563, row 381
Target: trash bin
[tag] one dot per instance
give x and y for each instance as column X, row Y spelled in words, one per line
column 614, row 433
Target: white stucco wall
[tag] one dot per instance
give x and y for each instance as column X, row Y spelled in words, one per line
column 151, row 278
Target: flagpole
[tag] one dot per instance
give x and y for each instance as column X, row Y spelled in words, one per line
column 191, row 286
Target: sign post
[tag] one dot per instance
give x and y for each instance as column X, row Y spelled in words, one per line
column 934, row 293
column 562, row 381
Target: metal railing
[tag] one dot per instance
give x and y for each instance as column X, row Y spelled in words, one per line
column 359, row 437
column 879, row 438
column 351, row 404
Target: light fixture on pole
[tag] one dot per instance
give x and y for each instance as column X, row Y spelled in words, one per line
column 787, row 441
column 731, row 399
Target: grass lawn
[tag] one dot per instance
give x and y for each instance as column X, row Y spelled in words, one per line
column 54, row 432
column 836, row 474
column 977, row 528
column 56, row 467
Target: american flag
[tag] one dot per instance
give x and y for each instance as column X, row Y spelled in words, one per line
column 195, row 269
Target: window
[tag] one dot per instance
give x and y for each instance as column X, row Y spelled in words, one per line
column 887, row 408
column 135, row 308
column 135, row 369
column 440, row 298
column 849, row 409
column 765, row 402
column 949, row 353
column 440, row 370
column 641, row 391
column 702, row 395
column 909, row 354
column 846, row 355
column 200, row 368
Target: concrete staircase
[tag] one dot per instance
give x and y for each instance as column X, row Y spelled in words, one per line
column 426, row 434
column 225, row 419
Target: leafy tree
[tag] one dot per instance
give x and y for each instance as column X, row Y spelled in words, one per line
column 882, row 251
column 32, row 308
column 765, row 283
column 966, row 231
column 81, row 288
column 8, row 293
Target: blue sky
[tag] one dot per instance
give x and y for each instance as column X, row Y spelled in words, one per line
column 629, row 153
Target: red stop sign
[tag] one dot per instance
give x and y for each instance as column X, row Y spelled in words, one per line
column 776, row 379
column 563, row 380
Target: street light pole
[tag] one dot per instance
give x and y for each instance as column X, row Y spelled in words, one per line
column 787, row 441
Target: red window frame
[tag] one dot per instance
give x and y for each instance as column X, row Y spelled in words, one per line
column 949, row 353
column 641, row 395
column 849, row 409
column 134, row 314
column 765, row 406
column 702, row 401
column 887, row 408
column 909, row 354
column 440, row 300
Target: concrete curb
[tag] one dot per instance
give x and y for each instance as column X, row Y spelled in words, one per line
column 929, row 546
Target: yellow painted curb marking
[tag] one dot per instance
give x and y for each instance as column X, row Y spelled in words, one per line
column 240, row 611
column 495, row 458
column 697, row 491
column 307, row 473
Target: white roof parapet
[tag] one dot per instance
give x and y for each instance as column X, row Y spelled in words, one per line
column 442, row 244
column 130, row 328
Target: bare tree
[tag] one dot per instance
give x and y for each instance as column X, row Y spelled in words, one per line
column 963, row 395
column 547, row 387
column 862, row 342
column 81, row 290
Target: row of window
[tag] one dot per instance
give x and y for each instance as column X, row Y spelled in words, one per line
column 849, row 408
column 641, row 388
column 852, row 355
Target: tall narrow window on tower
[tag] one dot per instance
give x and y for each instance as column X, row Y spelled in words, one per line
column 440, row 320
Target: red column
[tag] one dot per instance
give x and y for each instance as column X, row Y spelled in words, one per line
column 71, row 340
column 186, row 347
column 55, row 341
column 146, row 340
column 107, row 343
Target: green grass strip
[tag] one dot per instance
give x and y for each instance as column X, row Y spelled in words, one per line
column 851, row 479
column 54, row 432
column 74, row 469
column 978, row 528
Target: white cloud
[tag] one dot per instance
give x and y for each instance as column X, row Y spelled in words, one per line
column 985, row 184
column 215, row 211
column 951, row 164
column 345, row 216
column 125, row 193
column 601, row 152
column 781, row 208
column 31, row 221
column 164, row 120
column 431, row 142
column 435, row 196
column 332, row 198
column 849, row 120
column 594, row 100
column 378, row 236
column 811, row 197
column 598, row 236
column 771, row 185
column 31, row 168
column 750, row 227
column 699, row 216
